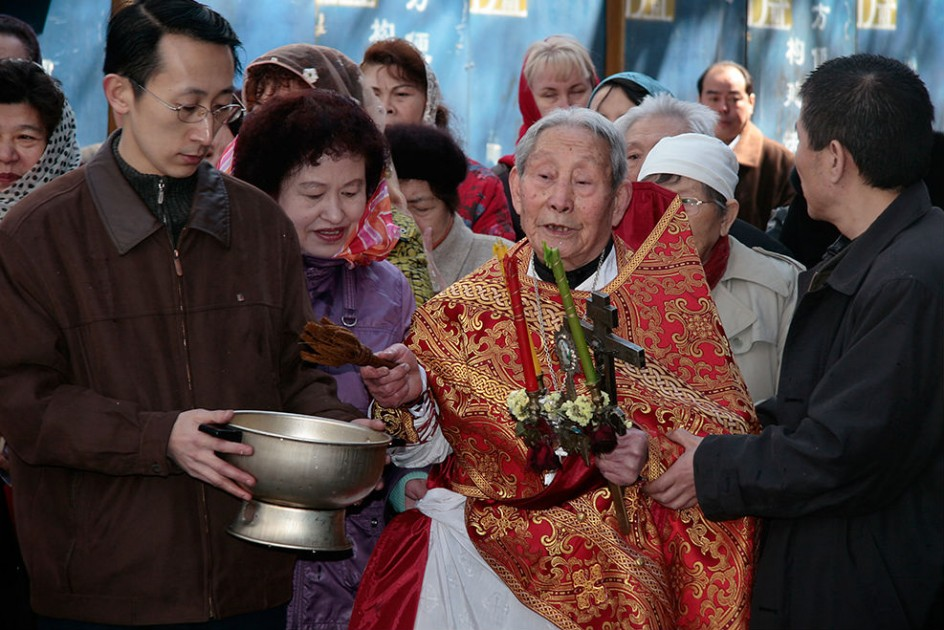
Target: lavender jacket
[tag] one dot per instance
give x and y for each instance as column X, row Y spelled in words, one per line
column 376, row 303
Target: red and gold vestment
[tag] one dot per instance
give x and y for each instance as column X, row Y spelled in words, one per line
column 558, row 548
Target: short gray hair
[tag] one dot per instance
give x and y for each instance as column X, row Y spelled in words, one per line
column 580, row 118
column 696, row 117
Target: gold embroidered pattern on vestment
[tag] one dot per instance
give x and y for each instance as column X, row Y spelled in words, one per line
column 569, row 563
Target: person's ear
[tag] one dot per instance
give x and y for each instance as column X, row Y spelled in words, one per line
column 119, row 93
column 624, row 195
column 730, row 215
column 514, row 185
column 838, row 160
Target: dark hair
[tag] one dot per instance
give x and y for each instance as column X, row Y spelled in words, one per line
column 259, row 77
column 290, row 132
column 633, row 91
column 429, row 154
column 23, row 81
column 748, row 79
column 136, row 30
column 10, row 25
column 878, row 109
column 406, row 63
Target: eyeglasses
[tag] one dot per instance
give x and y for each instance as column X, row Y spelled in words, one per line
column 694, row 205
column 198, row 113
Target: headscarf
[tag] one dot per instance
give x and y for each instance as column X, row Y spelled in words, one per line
column 61, row 156
column 704, row 159
column 530, row 113
column 376, row 233
column 318, row 66
column 644, row 81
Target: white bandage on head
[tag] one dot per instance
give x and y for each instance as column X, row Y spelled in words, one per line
column 696, row 156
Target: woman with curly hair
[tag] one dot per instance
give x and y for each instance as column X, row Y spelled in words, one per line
column 319, row 155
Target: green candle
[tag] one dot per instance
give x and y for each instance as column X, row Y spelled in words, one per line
column 553, row 260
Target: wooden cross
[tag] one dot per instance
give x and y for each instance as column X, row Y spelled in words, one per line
column 608, row 347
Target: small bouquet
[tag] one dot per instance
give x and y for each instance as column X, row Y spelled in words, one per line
column 552, row 425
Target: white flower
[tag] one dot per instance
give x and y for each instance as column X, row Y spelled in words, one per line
column 310, row 75
column 518, row 403
column 579, row 411
column 551, row 402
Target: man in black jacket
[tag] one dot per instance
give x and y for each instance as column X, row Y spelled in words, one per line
column 849, row 468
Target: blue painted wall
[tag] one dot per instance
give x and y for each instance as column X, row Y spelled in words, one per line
column 477, row 56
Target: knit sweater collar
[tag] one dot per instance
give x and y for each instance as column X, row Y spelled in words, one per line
column 168, row 198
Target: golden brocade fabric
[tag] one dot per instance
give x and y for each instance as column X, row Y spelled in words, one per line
column 570, row 563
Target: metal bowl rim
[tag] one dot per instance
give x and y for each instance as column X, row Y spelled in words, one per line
column 235, row 424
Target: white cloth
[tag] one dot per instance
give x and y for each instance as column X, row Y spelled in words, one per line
column 756, row 298
column 460, row 591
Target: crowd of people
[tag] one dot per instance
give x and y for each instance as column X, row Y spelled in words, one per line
column 772, row 455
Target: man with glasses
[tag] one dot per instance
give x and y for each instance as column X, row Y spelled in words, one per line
column 143, row 295
column 755, row 290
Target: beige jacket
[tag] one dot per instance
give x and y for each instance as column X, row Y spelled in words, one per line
column 755, row 299
column 461, row 252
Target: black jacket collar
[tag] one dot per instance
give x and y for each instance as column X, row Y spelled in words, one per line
column 857, row 259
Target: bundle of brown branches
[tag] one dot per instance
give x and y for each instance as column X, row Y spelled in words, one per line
column 330, row 344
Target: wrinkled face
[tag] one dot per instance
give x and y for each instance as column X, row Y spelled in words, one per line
column 708, row 220
column 724, row 90
column 564, row 195
column 429, row 211
column 325, row 203
column 553, row 91
column 153, row 140
column 23, row 139
column 12, row 47
column 403, row 101
column 643, row 135
column 611, row 101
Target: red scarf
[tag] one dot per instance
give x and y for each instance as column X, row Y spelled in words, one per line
column 717, row 261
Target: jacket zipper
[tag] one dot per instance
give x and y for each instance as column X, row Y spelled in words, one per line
column 179, row 272
column 160, row 204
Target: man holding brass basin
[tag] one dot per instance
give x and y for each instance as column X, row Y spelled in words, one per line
column 145, row 294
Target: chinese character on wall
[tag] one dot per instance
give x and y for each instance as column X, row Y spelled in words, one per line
column 507, row 8
column 776, row 14
column 877, row 14
column 652, row 10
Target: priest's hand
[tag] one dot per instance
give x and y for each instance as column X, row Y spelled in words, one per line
column 623, row 464
column 676, row 487
column 414, row 491
column 394, row 387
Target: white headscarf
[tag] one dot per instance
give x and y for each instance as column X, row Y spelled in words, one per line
column 433, row 93
column 696, row 156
